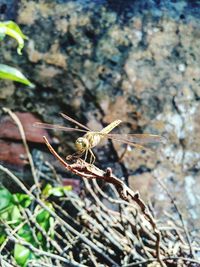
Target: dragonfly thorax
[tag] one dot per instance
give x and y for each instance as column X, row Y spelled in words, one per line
column 82, row 144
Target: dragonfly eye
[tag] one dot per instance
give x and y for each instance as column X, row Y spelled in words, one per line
column 81, row 144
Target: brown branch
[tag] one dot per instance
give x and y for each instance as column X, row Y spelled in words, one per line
column 88, row 171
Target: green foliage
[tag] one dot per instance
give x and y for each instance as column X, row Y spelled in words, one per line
column 22, row 199
column 5, row 198
column 13, row 74
column 12, row 210
column 12, row 29
column 21, row 254
column 55, row 191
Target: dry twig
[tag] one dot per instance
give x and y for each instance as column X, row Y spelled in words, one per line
column 23, row 136
column 88, row 171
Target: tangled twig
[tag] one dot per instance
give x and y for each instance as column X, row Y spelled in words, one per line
column 88, row 171
column 88, row 232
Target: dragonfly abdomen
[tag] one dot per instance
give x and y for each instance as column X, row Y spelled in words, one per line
column 111, row 126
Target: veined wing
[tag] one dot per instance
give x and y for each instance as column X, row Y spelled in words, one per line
column 138, row 146
column 138, row 138
column 138, row 141
column 57, row 127
column 74, row 121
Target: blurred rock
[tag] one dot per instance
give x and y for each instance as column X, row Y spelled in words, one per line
column 12, row 150
column 13, row 154
column 7, row 89
column 9, row 129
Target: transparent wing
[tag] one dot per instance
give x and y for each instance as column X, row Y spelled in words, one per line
column 74, row 121
column 138, row 138
column 138, row 141
column 57, row 127
column 128, row 143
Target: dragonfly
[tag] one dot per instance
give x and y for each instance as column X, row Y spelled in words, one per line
column 91, row 138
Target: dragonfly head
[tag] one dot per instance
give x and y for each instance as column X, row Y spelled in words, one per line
column 82, row 144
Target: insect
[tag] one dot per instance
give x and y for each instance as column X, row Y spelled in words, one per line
column 90, row 139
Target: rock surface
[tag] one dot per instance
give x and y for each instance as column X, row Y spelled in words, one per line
column 9, row 129
column 104, row 60
column 12, row 149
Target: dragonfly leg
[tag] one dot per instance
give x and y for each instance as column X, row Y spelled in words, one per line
column 75, row 155
column 86, row 154
column 92, row 157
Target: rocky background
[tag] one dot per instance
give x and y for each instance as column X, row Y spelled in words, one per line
column 98, row 61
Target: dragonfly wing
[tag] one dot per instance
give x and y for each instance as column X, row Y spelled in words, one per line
column 57, row 127
column 74, row 121
column 132, row 144
column 139, row 138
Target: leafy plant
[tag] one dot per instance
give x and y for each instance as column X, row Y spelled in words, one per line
column 10, row 28
column 13, row 208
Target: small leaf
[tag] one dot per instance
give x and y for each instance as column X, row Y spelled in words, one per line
column 25, row 233
column 12, row 25
column 46, row 192
column 22, row 199
column 45, row 225
column 2, row 235
column 39, row 236
column 5, row 198
column 21, row 254
column 5, row 214
column 13, row 74
column 42, row 216
column 67, row 188
column 12, row 29
column 2, row 238
column 15, row 215
column 59, row 191
column 55, row 191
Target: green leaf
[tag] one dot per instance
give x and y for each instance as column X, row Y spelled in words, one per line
column 67, row 188
column 46, row 192
column 5, row 214
column 59, row 191
column 2, row 238
column 39, row 236
column 22, row 199
column 5, row 198
column 12, row 29
column 12, row 25
column 45, row 225
column 43, row 216
column 25, row 233
column 55, row 191
column 15, row 215
column 2, row 235
column 21, row 254
column 13, row 74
